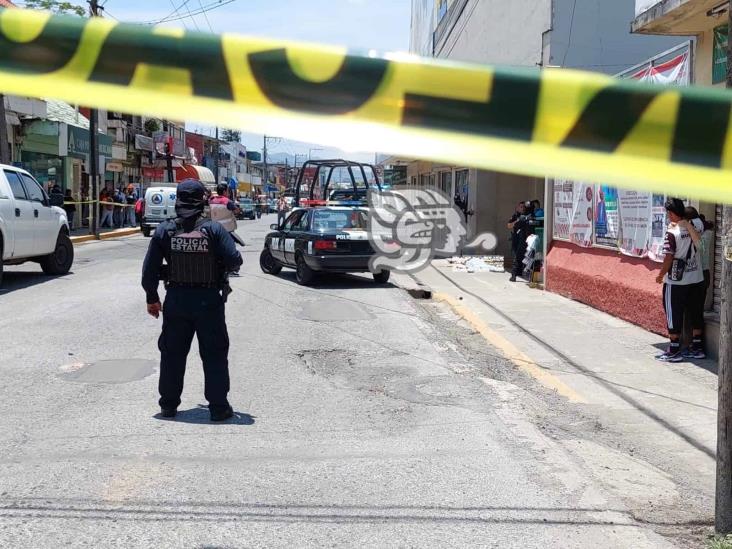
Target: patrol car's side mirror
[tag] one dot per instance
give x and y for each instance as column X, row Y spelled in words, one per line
column 274, row 227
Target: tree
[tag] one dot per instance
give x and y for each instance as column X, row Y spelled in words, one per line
column 231, row 136
column 56, row 6
column 152, row 126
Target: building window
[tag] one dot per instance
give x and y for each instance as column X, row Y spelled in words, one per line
column 462, row 184
column 424, row 179
column 414, row 181
column 719, row 54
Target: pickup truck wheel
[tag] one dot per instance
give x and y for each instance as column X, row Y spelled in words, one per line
column 382, row 277
column 145, row 231
column 269, row 264
column 303, row 274
column 59, row 262
column 1, row 265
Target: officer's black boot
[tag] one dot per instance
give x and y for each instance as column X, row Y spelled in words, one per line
column 222, row 415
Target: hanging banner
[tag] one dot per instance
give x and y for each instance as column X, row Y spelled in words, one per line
column 563, row 208
column 580, row 232
column 607, row 220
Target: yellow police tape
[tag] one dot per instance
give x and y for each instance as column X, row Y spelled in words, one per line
column 554, row 122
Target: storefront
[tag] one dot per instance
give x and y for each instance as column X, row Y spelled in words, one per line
column 40, row 155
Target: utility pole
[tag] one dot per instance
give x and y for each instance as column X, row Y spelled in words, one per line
column 93, row 151
column 4, row 147
column 723, row 503
column 264, row 154
column 218, row 157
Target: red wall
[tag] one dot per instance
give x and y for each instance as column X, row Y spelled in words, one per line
column 622, row 286
column 195, row 141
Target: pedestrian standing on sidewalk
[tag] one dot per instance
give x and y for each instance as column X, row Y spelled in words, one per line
column 198, row 253
column 680, row 274
column 105, row 209
column 119, row 211
column 69, row 207
column 521, row 228
column 698, row 296
column 131, row 200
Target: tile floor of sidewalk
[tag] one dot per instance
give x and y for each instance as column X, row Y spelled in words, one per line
column 607, row 363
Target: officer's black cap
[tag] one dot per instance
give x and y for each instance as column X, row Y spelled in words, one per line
column 190, row 198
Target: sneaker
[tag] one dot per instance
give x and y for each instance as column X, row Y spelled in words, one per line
column 512, row 279
column 697, row 354
column 168, row 412
column 668, row 356
column 222, row 415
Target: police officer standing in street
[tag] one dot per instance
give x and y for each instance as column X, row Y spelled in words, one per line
column 199, row 253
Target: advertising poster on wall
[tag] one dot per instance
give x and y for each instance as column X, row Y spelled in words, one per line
column 635, row 216
column 659, row 222
column 563, row 208
column 583, row 219
column 607, row 221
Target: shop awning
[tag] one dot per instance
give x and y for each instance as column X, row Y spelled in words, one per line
column 193, row 171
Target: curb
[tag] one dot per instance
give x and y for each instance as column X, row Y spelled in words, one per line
column 105, row 236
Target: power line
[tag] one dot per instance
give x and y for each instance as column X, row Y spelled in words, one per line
column 195, row 23
column 571, row 27
column 206, row 17
column 178, row 9
column 202, row 10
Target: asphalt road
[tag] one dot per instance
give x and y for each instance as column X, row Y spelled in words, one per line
column 364, row 418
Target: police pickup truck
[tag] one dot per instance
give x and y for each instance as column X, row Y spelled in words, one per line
column 30, row 228
column 320, row 239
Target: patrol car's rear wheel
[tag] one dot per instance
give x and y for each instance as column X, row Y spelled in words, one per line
column 303, row 274
column 269, row 264
column 382, row 277
column 60, row 261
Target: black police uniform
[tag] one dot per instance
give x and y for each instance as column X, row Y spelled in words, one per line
column 198, row 253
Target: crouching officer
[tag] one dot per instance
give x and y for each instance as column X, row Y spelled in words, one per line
column 198, row 252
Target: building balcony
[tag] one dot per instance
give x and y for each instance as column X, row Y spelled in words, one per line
column 677, row 17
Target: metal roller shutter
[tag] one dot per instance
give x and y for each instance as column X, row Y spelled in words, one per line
column 717, row 294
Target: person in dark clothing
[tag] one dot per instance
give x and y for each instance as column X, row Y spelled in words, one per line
column 521, row 227
column 69, row 208
column 56, row 196
column 198, row 253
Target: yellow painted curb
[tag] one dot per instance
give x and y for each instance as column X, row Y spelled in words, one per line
column 105, row 236
column 510, row 351
column 121, row 232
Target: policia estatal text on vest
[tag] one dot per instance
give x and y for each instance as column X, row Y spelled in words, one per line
column 199, row 253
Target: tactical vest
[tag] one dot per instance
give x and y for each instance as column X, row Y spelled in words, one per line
column 192, row 261
column 221, row 213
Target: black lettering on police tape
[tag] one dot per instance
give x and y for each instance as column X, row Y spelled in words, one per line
column 202, row 55
column 51, row 50
column 509, row 113
column 354, row 84
column 609, row 118
column 701, row 131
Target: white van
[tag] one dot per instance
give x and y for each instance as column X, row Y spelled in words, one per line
column 159, row 206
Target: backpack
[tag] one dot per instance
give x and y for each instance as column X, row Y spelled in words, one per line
column 139, row 206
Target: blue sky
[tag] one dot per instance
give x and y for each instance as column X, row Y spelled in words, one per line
column 358, row 24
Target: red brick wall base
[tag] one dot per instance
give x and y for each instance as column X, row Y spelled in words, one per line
column 622, row 286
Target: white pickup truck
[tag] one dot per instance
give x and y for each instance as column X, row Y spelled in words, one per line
column 30, row 228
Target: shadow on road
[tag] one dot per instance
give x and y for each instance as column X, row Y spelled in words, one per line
column 19, row 280
column 336, row 281
column 200, row 415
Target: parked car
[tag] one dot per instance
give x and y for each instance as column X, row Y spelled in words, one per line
column 320, row 239
column 30, row 228
column 159, row 205
column 246, row 209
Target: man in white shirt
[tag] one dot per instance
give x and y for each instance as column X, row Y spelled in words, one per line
column 681, row 275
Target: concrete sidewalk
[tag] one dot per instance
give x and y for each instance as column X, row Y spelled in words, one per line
column 665, row 413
